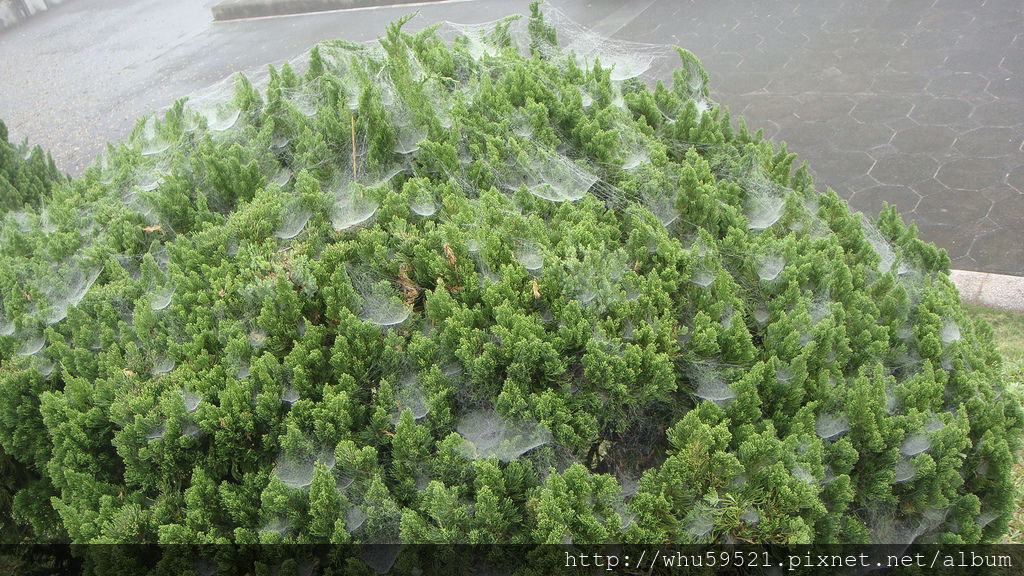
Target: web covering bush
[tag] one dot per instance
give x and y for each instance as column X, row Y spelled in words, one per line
column 491, row 290
column 27, row 175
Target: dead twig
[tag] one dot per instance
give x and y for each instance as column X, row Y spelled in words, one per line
column 409, row 288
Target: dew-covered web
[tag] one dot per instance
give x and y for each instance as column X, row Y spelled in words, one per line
column 410, row 133
column 663, row 205
column 191, row 400
column 881, row 246
column 422, row 203
column 552, row 176
column 295, row 467
column 950, row 331
column 488, row 39
column 529, row 254
column 987, row 516
column 294, row 218
column 290, row 396
column 634, row 148
column 486, row 434
column 354, row 518
column 761, row 314
column 32, row 345
column 595, row 279
column 764, row 203
column 161, row 297
column 711, row 382
column 213, row 110
column 888, row 525
column 304, row 100
column 381, row 299
column 162, row 365
column 915, row 444
column 277, row 524
column 352, row 206
column 380, row 558
column 625, row 59
column 769, row 266
column 802, row 474
column 703, row 276
column 829, row 426
column 156, row 432
column 70, row 286
column 152, row 139
column 700, row 523
column 411, row 396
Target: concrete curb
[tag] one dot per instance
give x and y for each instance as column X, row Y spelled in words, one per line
column 991, row 290
column 241, row 9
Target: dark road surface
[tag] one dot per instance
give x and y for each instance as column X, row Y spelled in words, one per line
column 916, row 102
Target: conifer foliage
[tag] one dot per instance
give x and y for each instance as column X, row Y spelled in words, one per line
column 26, row 174
column 491, row 290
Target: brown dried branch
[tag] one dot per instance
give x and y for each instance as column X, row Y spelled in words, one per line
column 409, row 288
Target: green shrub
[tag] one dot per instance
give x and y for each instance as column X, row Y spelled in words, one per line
column 450, row 293
column 26, row 174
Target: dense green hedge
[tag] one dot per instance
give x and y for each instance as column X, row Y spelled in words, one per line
column 452, row 293
column 27, row 175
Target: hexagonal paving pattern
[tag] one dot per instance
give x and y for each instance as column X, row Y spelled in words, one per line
column 947, row 207
column 1006, row 86
column 839, row 169
column 999, row 192
column 1002, row 245
column 871, row 200
column 878, row 109
column 924, row 137
column 1016, row 179
column 904, row 169
column 940, row 111
column 1009, row 213
column 917, row 104
column 970, row 173
column 853, row 136
column 957, row 85
column 989, row 142
column 999, row 113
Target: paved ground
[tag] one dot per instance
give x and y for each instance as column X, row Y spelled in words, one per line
column 919, row 103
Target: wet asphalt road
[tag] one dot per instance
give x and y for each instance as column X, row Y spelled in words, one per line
column 919, row 103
